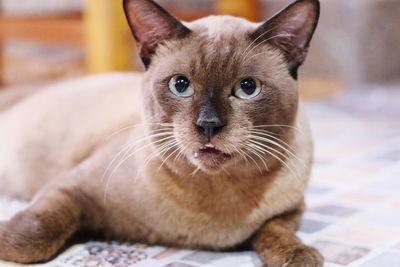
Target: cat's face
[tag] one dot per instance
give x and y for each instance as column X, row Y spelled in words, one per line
column 221, row 90
column 218, row 77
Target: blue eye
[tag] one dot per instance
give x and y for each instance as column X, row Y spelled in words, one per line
column 181, row 86
column 247, row 88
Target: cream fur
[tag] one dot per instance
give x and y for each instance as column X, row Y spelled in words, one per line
column 50, row 132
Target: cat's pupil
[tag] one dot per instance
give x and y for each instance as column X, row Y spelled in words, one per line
column 182, row 84
column 249, row 86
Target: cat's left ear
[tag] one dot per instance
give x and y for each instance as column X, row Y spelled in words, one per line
column 151, row 25
column 291, row 30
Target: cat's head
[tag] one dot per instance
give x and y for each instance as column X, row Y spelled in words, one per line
column 221, row 91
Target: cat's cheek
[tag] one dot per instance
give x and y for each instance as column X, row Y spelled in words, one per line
column 239, row 115
column 236, row 103
column 167, row 105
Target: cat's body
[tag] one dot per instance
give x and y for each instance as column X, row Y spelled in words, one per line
column 44, row 155
column 63, row 125
column 70, row 143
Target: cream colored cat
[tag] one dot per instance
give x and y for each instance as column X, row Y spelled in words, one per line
column 220, row 158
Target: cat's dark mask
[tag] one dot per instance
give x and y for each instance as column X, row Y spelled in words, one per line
column 217, row 82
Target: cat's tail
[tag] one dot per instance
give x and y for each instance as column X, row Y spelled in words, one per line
column 11, row 96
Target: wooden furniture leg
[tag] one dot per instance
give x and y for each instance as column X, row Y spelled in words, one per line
column 108, row 39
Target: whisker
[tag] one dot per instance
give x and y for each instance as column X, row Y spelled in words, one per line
column 196, row 171
column 255, row 40
column 252, row 45
column 125, row 147
column 287, row 35
column 110, row 177
column 262, row 130
column 131, row 145
column 277, row 125
column 123, row 160
column 160, row 124
column 254, row 151
column 165, row 125
column 240, row 152
column 170, row 155
column 280, row 146
column 181, row 153
column 159, row 152
column 296, row 175
column 223, row 168
column 269, row 147
column 254, row 161
column 262, row 134
column 243, row 156
column 225, row 171
column 282, row 162
column 122, row 130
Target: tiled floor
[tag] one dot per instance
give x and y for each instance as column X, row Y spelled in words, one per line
column 353, row 214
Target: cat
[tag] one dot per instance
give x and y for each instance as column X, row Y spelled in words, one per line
column 220, row 157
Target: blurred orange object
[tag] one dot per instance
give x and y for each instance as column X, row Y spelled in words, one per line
column 249, row 9
column 47, row 29
column 108, row 39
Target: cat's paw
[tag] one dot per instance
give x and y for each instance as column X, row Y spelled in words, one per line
column 299, row 256
column 22, row 240
column 305, row 256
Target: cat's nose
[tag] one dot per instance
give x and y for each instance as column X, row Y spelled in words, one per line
column 209, row 127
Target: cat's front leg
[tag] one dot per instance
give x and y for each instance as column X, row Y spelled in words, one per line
column 278, row 246
column 39, row 232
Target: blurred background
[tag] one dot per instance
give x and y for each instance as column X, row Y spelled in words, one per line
column 357, row 41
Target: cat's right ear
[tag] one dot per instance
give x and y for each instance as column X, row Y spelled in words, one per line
column 151, row 25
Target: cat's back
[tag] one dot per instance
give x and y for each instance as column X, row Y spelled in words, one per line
column 54, row 129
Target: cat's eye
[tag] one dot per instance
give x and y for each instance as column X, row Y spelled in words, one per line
column 181, row 86
column 247, row 88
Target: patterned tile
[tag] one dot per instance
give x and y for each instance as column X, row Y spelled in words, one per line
column 361, row 197
column 312, row 226
column 385, row 217
column 385, row 260
column 340, row 253
column 334, row 210
column 315, row 189
column 107, row 254
column 178, row 264
column 367, row 234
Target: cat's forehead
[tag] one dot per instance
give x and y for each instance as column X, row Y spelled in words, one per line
column 216, row 51
column 214, row 26
column 214, row 39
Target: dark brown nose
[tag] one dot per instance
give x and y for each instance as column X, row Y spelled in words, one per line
column 209, row 127
column 209, row 122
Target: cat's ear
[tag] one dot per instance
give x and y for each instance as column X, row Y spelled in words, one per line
column 291, row 30
column 151, row 25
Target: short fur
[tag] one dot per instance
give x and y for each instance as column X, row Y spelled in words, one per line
column 62, row 145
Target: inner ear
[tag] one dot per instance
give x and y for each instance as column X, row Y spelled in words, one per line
column 151, row 25
column 291, row 30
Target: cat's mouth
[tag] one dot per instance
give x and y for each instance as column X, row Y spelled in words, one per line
column 212, row 156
